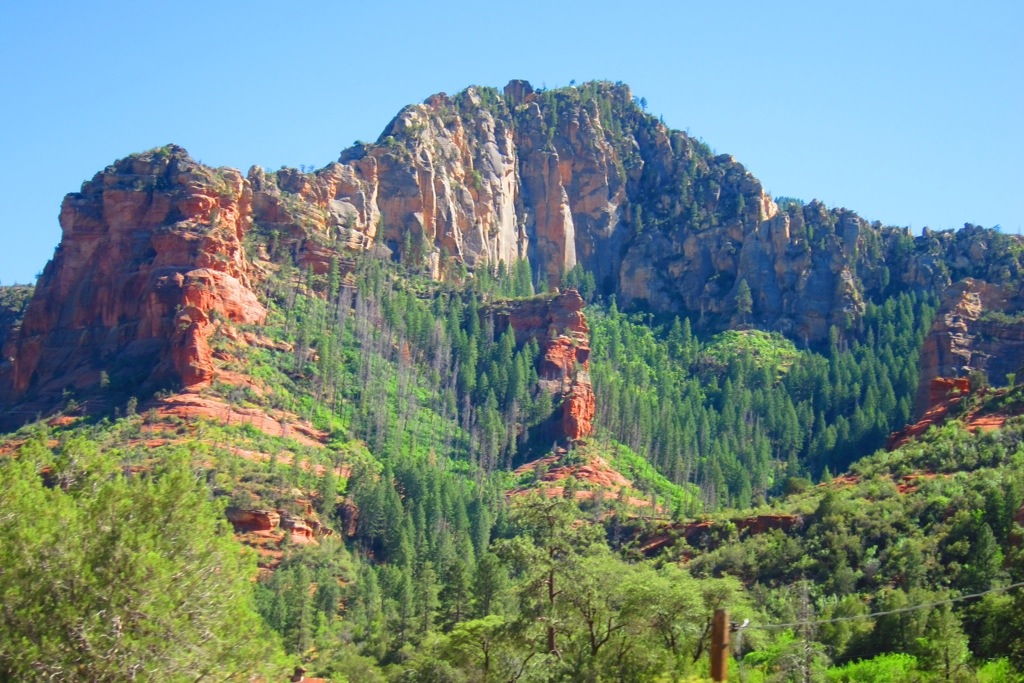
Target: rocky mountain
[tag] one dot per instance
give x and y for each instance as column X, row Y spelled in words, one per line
column 582, row 176
column 151, row 251
column 153, row 257
column 458, row 388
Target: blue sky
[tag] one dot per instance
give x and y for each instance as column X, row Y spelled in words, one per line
column 911, row 113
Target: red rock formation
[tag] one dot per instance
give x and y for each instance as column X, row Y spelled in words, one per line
column 578, row 409
column 301, row 532
column 594, row 471
column 963, row 339
column 190, row 406
column 559, row 360
column 318, row 528
column 151, row 253
column 558, row 324
column 245, row 521
column 943, row 389
column 544, row 317
column 943, row 394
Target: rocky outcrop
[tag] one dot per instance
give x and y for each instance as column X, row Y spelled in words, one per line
column 440, row 180
column 150, row 258
column 578, row 409
column 558, row 325
column 479, row 177
column 977, row 327
column 245, row 521
column 943, row 389
column 581, row 474
column 302, row 530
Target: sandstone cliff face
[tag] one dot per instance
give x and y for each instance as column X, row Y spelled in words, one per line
column 560, row 328
column 302, row 530
column 152, row 257
column 581, row 176
column 972, row 331
column 479, row 178
column 151, row 252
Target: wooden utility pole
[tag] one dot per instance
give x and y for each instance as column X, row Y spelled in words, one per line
column 720, row 645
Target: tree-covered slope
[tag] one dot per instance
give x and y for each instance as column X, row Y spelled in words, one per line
column 344, row 419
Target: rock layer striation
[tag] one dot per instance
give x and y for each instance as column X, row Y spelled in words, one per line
column 150, row 259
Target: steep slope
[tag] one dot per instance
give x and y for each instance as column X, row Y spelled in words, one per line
column 581, row 176
column 150, row 259
column 978, row 327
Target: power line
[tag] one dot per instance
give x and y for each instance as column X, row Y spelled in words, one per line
column 898, row 610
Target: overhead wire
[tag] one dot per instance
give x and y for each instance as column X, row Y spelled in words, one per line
column 898, row 610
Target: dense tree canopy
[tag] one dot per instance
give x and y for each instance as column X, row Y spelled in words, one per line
column 116, row 563
column 112, row 577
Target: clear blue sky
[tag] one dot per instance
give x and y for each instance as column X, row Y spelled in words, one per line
column 911, row 113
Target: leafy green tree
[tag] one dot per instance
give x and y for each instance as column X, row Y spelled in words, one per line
column 490, row 583
column 121, row 579
column 744, row 300
column 943, row 646
column 477, row 645
column 328, row 489
column 542, row 558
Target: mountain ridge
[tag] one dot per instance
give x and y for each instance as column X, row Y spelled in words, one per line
column 525, row 390
column 579, row 176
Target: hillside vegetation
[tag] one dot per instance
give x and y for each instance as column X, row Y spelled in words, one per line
column 361, row 440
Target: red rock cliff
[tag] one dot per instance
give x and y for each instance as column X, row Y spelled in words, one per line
column 963, row 338
column 561, row 329
column 151, row 253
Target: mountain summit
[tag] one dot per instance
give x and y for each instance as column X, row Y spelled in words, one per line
column 576, row 179
column 529, row 389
